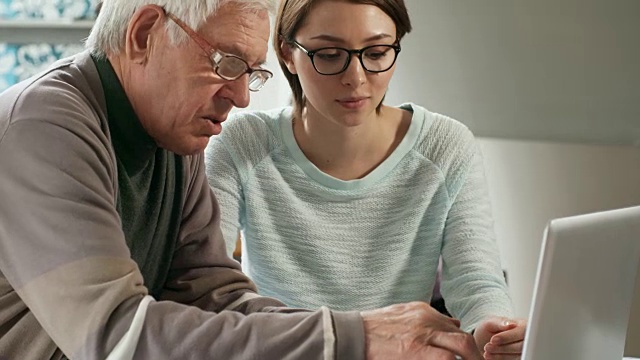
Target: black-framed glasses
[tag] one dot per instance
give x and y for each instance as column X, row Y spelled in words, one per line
column 334, row 60
column 227, row 66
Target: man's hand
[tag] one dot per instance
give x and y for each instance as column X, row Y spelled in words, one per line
column 501, row 338
column 415, row 331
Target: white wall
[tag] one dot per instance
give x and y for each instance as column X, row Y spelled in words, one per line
column 563, row 70
column 534, row 182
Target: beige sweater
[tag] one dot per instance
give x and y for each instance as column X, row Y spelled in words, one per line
column 67, row 281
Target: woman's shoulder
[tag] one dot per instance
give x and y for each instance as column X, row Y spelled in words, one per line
column 443, row 140
column 250, row 135
column 258, row 122
column 436, row 123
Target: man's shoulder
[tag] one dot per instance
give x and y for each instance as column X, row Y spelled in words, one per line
column 65, row 81
column 67, row 93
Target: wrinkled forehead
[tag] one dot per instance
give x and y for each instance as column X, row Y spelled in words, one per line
column 239, row 31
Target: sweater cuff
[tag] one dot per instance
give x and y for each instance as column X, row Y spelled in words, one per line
column 255, row 303
column 349, row 330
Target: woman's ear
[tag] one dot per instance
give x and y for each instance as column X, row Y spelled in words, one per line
column 287, row 56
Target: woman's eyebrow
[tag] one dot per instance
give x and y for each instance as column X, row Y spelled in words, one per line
column 338, row 39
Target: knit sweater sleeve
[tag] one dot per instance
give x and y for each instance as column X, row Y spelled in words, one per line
column 473, row 285
column 224, row 179
column 203, row 275
column 231, row 157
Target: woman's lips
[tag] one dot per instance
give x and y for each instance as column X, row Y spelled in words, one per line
column 353, row 103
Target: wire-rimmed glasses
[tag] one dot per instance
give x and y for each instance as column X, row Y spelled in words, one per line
column 334, row 60
column 227, row 66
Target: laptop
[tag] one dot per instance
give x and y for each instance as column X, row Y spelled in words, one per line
column 584, row 287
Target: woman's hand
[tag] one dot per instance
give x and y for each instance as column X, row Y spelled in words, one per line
column 501, row 338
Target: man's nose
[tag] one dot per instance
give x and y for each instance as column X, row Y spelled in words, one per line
column 239, row 91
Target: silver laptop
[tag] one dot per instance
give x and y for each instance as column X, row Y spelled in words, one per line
column 584, row 287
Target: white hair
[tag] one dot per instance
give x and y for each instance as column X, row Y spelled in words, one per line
column 108, row 33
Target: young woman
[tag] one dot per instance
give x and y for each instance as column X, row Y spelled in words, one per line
column 347, row 202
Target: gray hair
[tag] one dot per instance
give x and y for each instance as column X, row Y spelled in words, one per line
column 108, row 33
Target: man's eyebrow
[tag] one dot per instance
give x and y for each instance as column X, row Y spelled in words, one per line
column 338, row 39
column 235, row 50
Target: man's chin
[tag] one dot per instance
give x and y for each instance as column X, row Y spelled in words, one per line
column 194, row 148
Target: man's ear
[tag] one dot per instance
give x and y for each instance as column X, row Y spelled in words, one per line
column 285, row 48
column 143, row 29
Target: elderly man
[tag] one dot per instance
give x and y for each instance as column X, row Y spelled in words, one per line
column 110, row 245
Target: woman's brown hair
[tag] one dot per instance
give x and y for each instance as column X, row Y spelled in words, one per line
column 292, row 14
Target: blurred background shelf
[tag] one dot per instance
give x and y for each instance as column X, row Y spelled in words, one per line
column 44, row 31
column 45, row 24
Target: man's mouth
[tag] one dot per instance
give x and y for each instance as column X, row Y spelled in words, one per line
column 215, row 121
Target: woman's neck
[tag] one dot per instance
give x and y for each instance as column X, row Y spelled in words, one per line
column 350, row 152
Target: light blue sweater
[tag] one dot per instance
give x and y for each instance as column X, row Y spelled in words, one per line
column 311, row 239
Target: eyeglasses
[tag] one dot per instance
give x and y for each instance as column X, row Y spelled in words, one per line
column 334, row 60
column 227, row 66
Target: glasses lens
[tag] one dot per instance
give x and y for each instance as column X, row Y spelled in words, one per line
column 257, row 79
column 379, row 57
column 231, row 67
column 330, row 61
